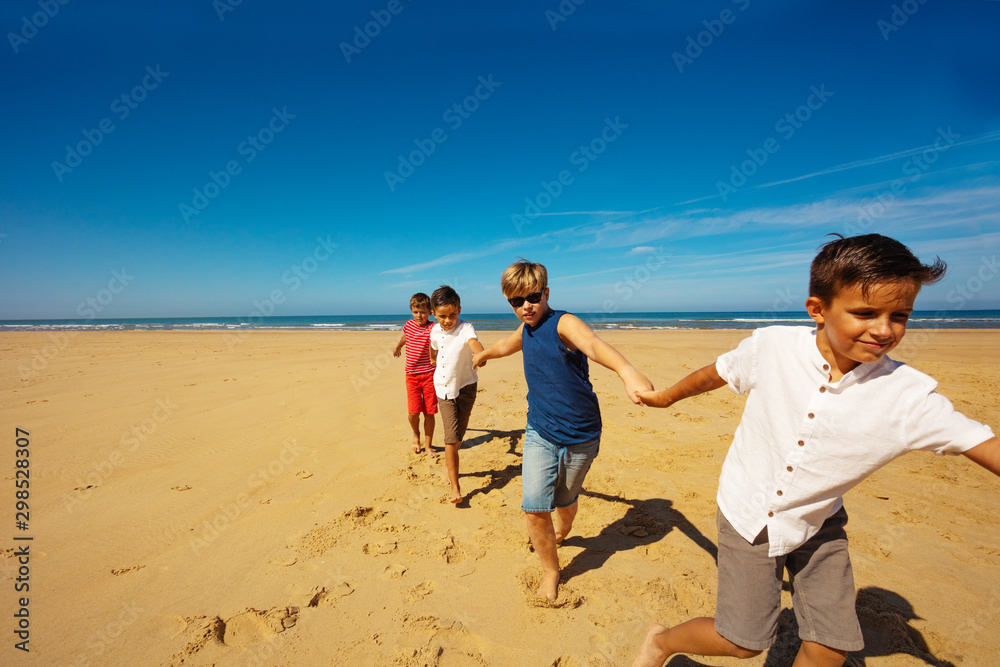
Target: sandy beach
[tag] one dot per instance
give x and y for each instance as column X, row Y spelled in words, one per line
column 199, row 498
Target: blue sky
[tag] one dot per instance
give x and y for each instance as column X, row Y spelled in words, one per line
column 196, row 158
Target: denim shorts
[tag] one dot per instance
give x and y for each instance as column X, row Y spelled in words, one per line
column 749, row 595
column 552, row 475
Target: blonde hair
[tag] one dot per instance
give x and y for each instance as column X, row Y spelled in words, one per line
column 523, row 277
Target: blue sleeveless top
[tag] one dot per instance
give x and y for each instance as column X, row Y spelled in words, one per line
column 562, row 405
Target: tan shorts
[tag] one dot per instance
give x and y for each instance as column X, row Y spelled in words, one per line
column 455, row 413
column 749, row 595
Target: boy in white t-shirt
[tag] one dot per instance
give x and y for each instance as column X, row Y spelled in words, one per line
column 826, row 408
column 453, row 342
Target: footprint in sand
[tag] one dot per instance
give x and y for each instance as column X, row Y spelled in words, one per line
column 395, row 571
column 324, row 597
column 283, row 561
column 125, row 570
column 529, row 581
column 302, row 474
column 420, row 591
column 380, row 548
column 252, row 625
column 180, row 488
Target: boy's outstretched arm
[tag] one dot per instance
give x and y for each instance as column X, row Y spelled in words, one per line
column 987, row 454
column 579, row 336
column 504, row 347
column 701, row 381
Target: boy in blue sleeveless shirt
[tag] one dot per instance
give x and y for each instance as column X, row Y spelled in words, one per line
column 563, row 433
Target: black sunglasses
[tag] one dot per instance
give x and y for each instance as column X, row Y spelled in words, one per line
column 518, row 301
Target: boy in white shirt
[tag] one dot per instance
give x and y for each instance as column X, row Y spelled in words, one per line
column 826, row 408
column 453, row 342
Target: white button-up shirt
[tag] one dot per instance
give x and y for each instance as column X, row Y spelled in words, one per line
column 454, row 358
column 804, row 441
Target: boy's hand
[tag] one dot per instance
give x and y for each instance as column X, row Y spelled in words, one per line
column 655, row 399
column 477, row 360
column 396, row 352
column 635, row 382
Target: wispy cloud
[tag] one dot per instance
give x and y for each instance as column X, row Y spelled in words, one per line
column 910, row 152
column 867, row 162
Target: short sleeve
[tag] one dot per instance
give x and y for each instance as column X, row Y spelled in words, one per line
column 736, row 366
column 434, row 337
column 934, row 425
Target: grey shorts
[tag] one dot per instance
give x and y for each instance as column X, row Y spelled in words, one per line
column 822, row 582
column 455, row 413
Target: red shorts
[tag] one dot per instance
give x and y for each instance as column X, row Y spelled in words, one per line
column 420, row 396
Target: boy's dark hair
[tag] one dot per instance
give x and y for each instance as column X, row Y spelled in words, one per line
column 420, row 299
column 445, row 296
column 867, row 260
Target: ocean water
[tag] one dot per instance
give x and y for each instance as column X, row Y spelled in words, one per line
column 921, row 319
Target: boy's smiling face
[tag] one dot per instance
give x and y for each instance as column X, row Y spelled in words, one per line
column 447, row 316
column 854, row 329
column 421, row 314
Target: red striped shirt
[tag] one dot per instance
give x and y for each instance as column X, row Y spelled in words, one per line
column 418, row 342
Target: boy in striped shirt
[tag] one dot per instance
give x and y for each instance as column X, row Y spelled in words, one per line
column 420, row 396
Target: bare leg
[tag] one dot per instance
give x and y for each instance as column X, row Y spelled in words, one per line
column 562, row 521
column 414, row 419
column 697, row 636
column 812, row 654
column 429, row 435
column 543, row 538
column 451, row 460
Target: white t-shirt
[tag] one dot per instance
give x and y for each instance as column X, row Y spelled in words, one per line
column 804, row 441
column 454, row 358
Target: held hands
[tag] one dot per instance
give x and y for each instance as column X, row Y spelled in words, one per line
column 477, row 359
column 636, row 384
column 655, row 399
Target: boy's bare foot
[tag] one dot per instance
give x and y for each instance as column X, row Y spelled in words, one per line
column 415, row 444
column 431, row 454
column 549, row 586
column 650, row 653
column 548, row 589
column 456, row 497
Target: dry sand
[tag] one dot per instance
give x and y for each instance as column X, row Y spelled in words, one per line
column 200, row 499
